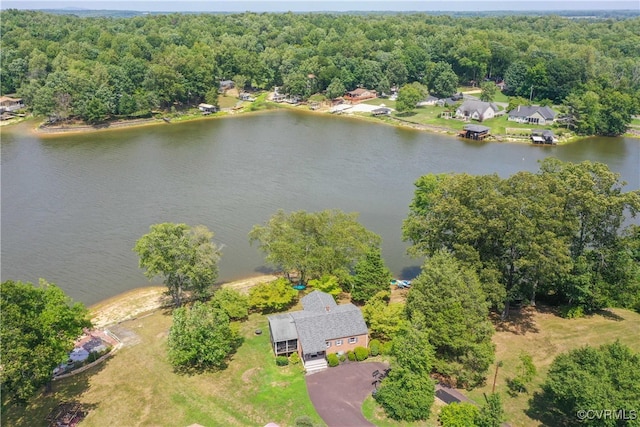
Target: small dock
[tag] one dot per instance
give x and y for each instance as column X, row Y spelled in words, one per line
column 475, row 132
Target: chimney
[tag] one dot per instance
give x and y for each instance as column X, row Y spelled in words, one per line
column 518, row 108
column 327, row 308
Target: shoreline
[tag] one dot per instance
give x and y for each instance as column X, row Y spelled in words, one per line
column 140, row 301
column 52, row 132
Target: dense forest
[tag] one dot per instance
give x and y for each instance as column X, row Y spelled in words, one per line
column 93, row 68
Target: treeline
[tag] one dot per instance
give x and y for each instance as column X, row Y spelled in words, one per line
column 560, row 234
column 64, row 66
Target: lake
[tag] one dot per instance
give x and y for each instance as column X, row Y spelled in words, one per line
column 73, row 206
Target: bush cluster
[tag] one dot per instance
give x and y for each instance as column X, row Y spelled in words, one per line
column 282, row 360
column 374, row 347
column 333, row 360
column 361, row 353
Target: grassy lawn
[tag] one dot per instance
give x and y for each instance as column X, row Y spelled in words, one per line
column 138, row 387
column 377, row 101
column 543, row 334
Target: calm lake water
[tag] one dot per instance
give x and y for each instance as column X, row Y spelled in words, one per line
column 73, row 206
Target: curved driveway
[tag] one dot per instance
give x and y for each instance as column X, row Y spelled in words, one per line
column 337, row 393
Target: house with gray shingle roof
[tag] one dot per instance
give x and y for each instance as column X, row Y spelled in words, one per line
column 472, row 109
column 320, row 328
column 532, row 114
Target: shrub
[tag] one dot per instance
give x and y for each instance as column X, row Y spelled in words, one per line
column 273, row 296
column 361, row 353
column 342, row 357
column 294, row 359
column 461, row 414
column 386, row 348
column 351, row 356
column 374, row 347
column 282, row 360
column 232, row 302
column 333, row 360
column 574, row 312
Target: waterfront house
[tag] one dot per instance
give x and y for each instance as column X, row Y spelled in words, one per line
column 225, row 85
column 360, row 94
column 8, row 104
column 472, row 109
column 429, row 100
column 320, row 328
column 207, row 108
column 532, row 114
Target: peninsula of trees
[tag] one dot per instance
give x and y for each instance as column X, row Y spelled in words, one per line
column 64, row 66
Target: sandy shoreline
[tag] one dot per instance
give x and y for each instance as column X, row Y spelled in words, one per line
column 140, row 301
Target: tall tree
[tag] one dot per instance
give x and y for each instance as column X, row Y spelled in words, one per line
column 488, row 91
column 588, row 379
column 441, row 80
column 313, row 244
column 185, row 257
column 447, row 302
column 39, row 325
column 407, row 393
column 409, row 95
column 371, row 276
column 200, row 338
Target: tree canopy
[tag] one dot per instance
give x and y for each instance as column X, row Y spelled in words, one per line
column 69, row 66
column 38, row 328
column 200, row 338
column 447, row 302
column 589, row 379
column 313, row 244
column 532, row 234
column 371, row 276
column 184, row 256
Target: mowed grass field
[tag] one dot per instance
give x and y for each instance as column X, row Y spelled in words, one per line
column 543, row 334
column 137, row 386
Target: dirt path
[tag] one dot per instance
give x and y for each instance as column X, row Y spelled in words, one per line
column 139, row 301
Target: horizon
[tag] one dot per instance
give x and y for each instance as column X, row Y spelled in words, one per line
column 321, row 6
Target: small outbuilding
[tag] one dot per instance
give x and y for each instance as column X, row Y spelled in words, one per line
column 207, row 108
column 476, row 132
column 543, row 137
column 382, row 111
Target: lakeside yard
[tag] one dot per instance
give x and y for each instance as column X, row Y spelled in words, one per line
column 138, row 386
column 252, row 390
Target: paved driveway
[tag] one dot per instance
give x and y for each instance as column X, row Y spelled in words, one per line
column 337, row 393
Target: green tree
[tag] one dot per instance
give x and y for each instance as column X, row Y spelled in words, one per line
column 492, row 413
column 211, row 97
column 313, row 244
column 441, row 79
column 233, row 303
column 526, row 371
column 447, row 302
column 587, row 378
column 328, row 284
column 184, row 256
column 39, row 325
column 385, row 319
column 409, row 95
column 200, row 338
column 335, row 88
column 458, row 414
column 407, row 393
column 488, row 92
column 273, row 296
column 371, row 276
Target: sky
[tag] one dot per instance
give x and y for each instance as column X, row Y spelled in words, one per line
column 315, row 5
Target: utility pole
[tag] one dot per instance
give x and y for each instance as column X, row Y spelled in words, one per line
column 495, row 377
column 531, row 94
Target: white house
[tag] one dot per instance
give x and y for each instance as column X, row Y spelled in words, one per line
column 532, row 114
column 476, row 110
